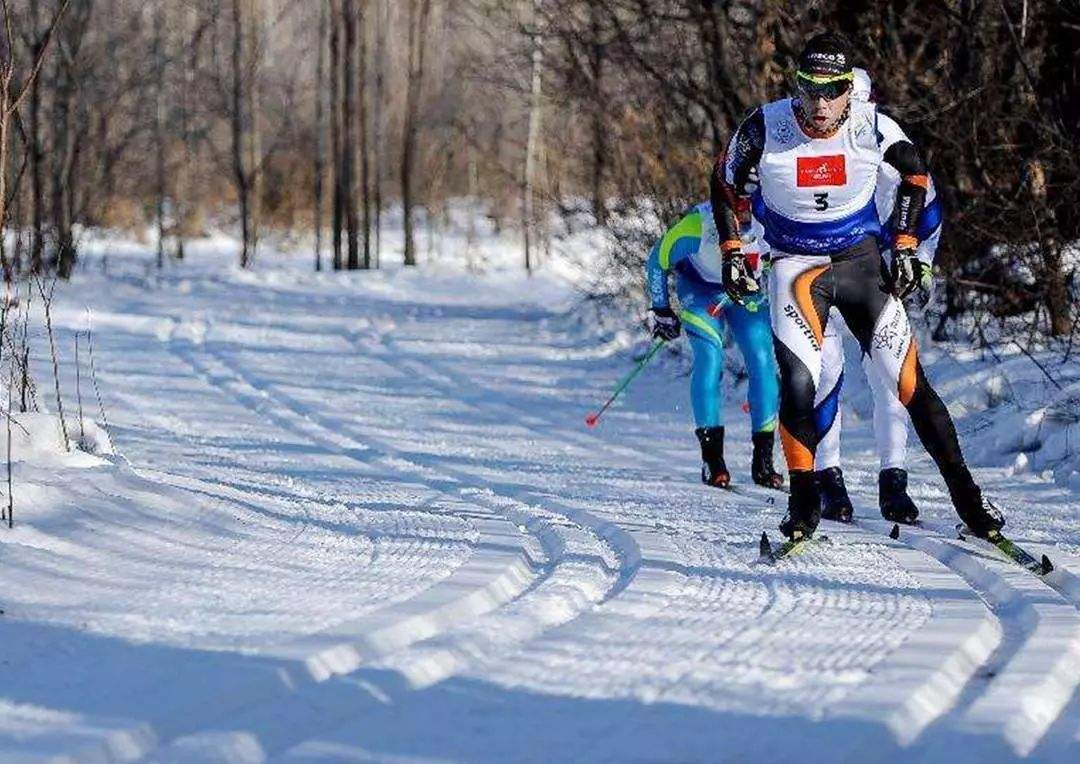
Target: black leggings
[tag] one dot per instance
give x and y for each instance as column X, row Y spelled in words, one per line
column 802, row 290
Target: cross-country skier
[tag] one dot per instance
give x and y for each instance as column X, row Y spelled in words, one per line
column 890, row 416
column 817, row 158
column 690, row 248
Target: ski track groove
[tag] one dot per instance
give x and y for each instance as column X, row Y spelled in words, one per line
column 1024, row 690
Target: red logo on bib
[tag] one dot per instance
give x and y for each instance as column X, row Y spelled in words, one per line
column 822, row 171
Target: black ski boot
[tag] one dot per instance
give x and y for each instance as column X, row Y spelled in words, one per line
column 804, row 506
column 761, row 465
column 893, row 498
column 713, row 469
column 835, row 503
column 978, row 512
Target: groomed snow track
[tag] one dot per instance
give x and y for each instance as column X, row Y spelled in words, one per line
column 361, row 520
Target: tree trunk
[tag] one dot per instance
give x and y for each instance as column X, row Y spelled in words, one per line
column 599, row 118
column 381, row 23
column 335, row 128
column 532, row 143
column 349, row 137
column 160, row 19
column 253, row 146
column 320, row 129
column 37, row 159
column 365, row 150
column 419, row 12
column 239, row 130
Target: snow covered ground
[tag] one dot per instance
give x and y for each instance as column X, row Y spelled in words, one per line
column 357, row 517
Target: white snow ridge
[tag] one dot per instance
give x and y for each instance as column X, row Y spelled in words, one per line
column 357, row 517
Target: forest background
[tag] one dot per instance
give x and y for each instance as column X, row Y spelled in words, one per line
column 314, row 119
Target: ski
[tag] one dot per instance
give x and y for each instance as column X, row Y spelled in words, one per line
column 1013, row 551
column 770, row 555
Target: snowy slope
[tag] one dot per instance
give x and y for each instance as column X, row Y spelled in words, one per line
column 358, row 517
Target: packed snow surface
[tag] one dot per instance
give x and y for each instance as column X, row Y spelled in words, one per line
column 358, row 517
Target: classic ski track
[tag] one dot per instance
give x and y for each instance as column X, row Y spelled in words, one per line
column 917, row 702
column 506, row 571
column 551, row 546
column 1067, row 588
column 574, row 597
column 411, row 540
column 921, row 704
column 526, row 617
column 1060, row 579
column 1035, row 621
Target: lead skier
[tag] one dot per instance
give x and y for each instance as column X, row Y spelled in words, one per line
column 817, row 158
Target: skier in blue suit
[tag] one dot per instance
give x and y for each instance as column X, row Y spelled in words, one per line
column 691, row 248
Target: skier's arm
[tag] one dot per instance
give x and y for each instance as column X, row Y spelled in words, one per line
column 679, row 242
column 930, row 223
column 900, row 153
column 732, row 173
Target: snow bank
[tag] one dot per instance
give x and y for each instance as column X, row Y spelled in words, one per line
column 38, row 439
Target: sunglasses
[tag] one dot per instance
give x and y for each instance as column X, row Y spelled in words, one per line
column 828, row 87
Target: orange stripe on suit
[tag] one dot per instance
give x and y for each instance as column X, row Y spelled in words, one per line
column 906, row 383
column 801, row 288
column 796, row 454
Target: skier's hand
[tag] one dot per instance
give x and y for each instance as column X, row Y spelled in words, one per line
column 909, row 273
column 666, row 325
column 739, row 281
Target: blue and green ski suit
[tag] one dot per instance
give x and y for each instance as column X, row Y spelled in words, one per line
column 691, row 249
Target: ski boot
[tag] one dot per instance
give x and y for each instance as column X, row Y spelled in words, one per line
column 804, row 506
column 978, row 512
column 761, row 465
column 982, row 518
column 893, row 498
column 835, row 503
column 713, row 469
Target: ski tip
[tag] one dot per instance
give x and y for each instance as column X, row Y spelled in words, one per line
column 591, row 420
column 894, row 534
column 1047, row 566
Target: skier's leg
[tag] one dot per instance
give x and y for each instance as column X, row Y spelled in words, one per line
column 878, row 320
column 752, row 330
column 890, row 431
column 835, row 502
column 706, row 390
column 800, row 296
column 706, row 332
column 890, row 417
column 827, row 401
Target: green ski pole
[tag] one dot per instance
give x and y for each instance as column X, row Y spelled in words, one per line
column 592, row 419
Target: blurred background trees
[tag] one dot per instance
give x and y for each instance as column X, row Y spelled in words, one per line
column 342, row 117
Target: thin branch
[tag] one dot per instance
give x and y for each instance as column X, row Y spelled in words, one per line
column 49, row 34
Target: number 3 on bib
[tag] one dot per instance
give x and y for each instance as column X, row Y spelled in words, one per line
column 821, row 201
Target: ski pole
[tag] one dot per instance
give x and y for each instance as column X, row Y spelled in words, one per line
column 592, row 419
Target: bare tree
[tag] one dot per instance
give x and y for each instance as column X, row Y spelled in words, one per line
column 528, row 207
column 10, row 100
column 419, row 15
column 320, row 129
column 335, row 128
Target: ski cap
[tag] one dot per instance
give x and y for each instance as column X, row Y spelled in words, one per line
column 825, row 58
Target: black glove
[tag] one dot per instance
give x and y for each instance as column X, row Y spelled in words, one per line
column 909, row 273
column 666, row 325
column 739, row 281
